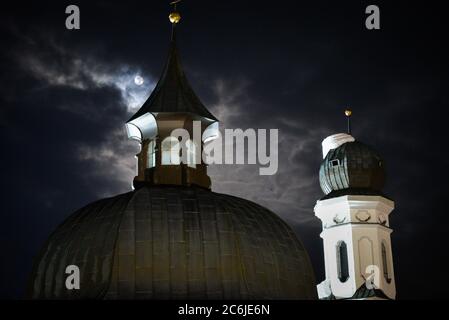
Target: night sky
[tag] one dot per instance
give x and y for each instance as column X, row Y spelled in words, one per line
column 293, row 65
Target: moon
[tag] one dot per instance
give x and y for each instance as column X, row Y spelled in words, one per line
column 138, row 80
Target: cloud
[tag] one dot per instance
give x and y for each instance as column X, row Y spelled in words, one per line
column 229, row 98
column 112, row 163
column 57, row 66
column 293, row 190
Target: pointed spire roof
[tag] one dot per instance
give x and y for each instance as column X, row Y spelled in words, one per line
column 173, row 92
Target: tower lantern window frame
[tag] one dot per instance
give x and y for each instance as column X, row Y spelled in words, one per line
column 170, row 154
column 151, row 154
column 191, row 153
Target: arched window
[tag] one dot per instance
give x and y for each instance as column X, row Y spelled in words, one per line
column 191, row 153
column 170, row 151
column 342, row 261
column 151, row 154
column 385, row 263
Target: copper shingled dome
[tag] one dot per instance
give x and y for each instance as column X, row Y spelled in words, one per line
column 352, row 167
column 174, row 242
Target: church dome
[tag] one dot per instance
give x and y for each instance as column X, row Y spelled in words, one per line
column 352, row 168
column 174, row 242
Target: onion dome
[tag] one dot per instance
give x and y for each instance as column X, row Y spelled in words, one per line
column 350, row 167
column 174, row 242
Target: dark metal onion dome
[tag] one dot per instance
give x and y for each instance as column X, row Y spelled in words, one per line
column 352, row 168
column 174, row 242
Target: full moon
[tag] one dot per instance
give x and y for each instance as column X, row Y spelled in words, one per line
column 138, row 80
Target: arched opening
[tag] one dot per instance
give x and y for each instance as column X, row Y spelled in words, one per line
column 151, row 154
column 170, row 151
column 385, row 263
column 191, row 153
column 342, row 261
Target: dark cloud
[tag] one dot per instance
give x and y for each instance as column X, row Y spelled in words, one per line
column 65, row 96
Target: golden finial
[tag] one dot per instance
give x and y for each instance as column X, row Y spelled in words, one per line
column 174, row 17
column 348, row 114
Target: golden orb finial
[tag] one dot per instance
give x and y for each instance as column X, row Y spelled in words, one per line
column 174, row 17
column 348, row 114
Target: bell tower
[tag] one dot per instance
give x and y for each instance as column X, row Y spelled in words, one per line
column 355, row 218
column 163, row 158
